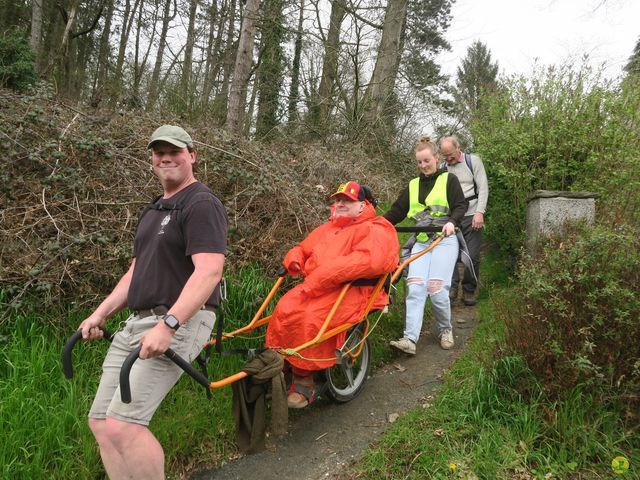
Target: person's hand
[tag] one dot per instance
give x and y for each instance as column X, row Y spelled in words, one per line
column 156, row 341
column 294, row 269
column 92, row 327
column 478, row 221
column 448, row 229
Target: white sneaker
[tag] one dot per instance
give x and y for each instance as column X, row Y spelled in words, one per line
column 446, row 339
column 405, row 345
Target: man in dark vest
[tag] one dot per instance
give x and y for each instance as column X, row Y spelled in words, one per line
column 470, row 171
column 172, row 288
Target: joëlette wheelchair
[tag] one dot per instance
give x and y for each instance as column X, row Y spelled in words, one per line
column 342, row 382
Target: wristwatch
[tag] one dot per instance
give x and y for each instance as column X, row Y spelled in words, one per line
column 171, row 322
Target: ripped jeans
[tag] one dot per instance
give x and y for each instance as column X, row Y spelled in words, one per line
column 430, row 275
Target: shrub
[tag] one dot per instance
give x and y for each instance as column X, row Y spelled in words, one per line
column 578, row 319
column 562, row 129
column 17, row 61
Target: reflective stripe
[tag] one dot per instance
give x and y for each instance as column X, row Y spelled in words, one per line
column 436, row 202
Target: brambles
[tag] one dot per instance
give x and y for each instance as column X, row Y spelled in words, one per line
column 74, row 184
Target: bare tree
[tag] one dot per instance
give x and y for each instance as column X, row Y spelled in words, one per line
column 242, row 68
column 323, row 104
column 380, row 88
column 36, row 26
column 188, row 53
column 294, row 91
column 220, row 101
column 162, row 43
column 103, row 57
column 125, row 29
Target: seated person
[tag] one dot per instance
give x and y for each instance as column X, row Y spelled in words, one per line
column 353, row 244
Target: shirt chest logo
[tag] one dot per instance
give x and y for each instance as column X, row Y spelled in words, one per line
column 164, row 222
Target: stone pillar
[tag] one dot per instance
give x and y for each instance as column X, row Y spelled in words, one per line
column 547, row 211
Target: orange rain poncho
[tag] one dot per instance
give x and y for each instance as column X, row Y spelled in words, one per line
column 341, row 250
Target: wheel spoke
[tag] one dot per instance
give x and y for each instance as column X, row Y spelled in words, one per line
column 348, row 373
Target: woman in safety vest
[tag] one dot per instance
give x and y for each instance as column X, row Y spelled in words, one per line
column 433, row 198
column 353, row 244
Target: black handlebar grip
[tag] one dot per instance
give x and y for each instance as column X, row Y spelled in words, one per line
column 67, row 364
column 125, row 370
column 67, row 361
column 125, row 387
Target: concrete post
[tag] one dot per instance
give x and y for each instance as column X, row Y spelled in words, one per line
column 547, row 211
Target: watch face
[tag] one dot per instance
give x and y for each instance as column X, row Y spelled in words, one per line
column 171, row 322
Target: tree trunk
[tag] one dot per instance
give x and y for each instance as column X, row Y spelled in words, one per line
column 380, row 88
column 36, row 26
column 62, row 50
column 103, row 57
column 269, row 74
column 252, row 103
column 294, row 94
column 127, row 22
column 188, row 54
column 242, row 68
column 220, row 102
column 138, row 65
column 213, row 48
column 323, row 104
column 162, row 41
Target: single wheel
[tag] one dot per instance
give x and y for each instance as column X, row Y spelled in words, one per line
column 346, row 378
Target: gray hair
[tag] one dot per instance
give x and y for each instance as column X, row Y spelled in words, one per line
column 453, row 139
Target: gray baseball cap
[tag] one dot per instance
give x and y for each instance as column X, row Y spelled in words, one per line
column 172, row 134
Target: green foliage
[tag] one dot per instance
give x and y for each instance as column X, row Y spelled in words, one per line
column 476, row 79
column 633, row 65
column 579, row 312
column 493, row 419
column 17, row 61
column 561, row 130
column 427, row 23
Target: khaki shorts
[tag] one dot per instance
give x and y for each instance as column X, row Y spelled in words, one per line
column 150, row 379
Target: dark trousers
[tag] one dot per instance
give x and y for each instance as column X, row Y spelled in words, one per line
column 474, row 240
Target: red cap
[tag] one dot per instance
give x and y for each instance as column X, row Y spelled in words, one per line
column 351, row 190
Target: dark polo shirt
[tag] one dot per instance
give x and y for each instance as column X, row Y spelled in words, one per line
column 165, row 241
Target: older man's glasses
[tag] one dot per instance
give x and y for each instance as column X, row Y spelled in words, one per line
column 449, row 156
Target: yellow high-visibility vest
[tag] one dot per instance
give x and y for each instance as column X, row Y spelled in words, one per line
column 436, row 202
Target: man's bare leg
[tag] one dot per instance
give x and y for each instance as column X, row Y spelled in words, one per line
column 128, row 450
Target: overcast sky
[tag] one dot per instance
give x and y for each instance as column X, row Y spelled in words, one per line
column 553, row 31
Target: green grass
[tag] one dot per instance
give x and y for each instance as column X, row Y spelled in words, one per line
column 492, row 420
column 43, row 415
column 44, row 431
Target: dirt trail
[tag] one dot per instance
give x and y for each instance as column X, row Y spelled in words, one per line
column 325, row 437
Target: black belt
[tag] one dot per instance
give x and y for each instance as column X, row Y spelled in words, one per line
column 372, row 282
column 162, row 310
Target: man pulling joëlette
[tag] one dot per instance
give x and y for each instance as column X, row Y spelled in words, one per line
column 172, row 288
